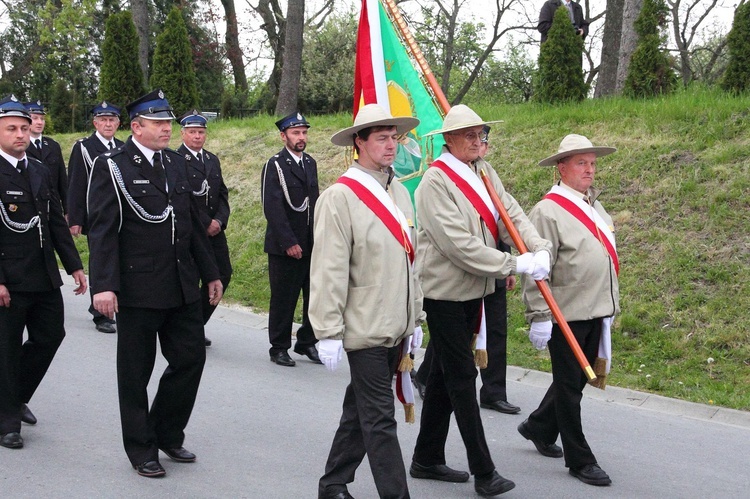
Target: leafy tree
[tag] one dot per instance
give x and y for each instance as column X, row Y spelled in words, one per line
column 328, row 65
column 737, row 77
column 173, row 69
column 650, row 71
column 121, row 79
column 560, row 77
column 510, row 80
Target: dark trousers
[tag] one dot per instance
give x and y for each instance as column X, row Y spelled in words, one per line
column 493, row 377
column 451, row 387
column 221, row 254
column 24, row 364
column 367, row 426
column 559, row 413
column 288, row 276
column 182, row 342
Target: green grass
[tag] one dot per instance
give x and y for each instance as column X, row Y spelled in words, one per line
column 678, row 190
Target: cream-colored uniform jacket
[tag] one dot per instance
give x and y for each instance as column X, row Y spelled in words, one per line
column 582, row 276
column 362, row 286
column 458, row 259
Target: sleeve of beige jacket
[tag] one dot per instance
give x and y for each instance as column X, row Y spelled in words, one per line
column 534, row 242
column 536, row 307
column 329, row 267
column 445, row 226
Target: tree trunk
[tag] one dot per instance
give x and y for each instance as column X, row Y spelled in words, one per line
column 628, row 41
column 274, row 24
column 291, row 71
column 234, row 52
column 607, row 82
column 139, row 8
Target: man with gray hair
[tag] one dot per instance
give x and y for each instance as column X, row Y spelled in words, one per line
column 583, row 280
column 458, row 263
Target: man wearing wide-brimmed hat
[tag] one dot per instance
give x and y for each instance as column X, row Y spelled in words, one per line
column 458, row 263
column 148, row 252
column 365, row 299
column 32, row 230
column 583, row 280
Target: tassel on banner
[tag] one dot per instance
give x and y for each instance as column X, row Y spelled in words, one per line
column 600, row 369
column 409, row 413
column 480, row 358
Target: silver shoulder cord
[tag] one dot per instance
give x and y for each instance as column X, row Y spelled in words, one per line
column 284, row 188
column 204, row 190
column 20, row 228
column 141, row 212
column 87, row 159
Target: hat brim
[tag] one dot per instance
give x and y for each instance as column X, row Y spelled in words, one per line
column 160, row 115
column 461, row 126
column 106, row 114
column 16, row 114
column 598, row 151
column 403, row 124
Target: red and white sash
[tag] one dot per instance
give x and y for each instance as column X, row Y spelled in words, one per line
column 372, row 194
column 589, row 217
column 472, row 187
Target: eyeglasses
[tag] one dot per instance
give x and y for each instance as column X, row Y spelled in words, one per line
column 472, row 136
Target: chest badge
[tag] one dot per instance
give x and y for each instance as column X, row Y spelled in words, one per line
column 12, row 208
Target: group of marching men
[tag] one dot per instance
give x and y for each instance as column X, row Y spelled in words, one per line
column 155, row 220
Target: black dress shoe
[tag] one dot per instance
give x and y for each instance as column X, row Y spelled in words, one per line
column 591, row 474
column 311, row 352
column 492, row 484
column 208, row 342
column 438, row 472
column 106, row 326
column 283, row 359
column 549, row 450
column 501, row 406
column 11, row 440
column 341, row 495
column 26, row 415
column 180, row 454
column 150, row 469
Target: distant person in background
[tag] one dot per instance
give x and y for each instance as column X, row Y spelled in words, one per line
column 48, row 151
column 575, row 12
column 493, row 394
column 32, row 230
column 289, row 191
column 583, row 280
column 204, row 175
column 106, row 122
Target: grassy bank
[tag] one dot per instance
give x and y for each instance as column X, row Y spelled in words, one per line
column 677, row 190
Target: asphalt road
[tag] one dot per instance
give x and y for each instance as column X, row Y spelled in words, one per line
column 264, row 431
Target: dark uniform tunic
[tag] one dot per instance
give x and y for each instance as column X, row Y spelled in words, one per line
column 154, row 268
column 213, row 205
column 287, row 227
column 51, row 155
column 28, row 269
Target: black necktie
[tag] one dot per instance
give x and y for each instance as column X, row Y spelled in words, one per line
column 110, row 145
column 160, row 169
column 38, row 143
column 21, row 166
column 200, row 158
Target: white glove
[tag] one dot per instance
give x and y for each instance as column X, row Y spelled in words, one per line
column 541, row 262
column 525, row 263
column 540, row 333
column 416, row 339
column 330, row 352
